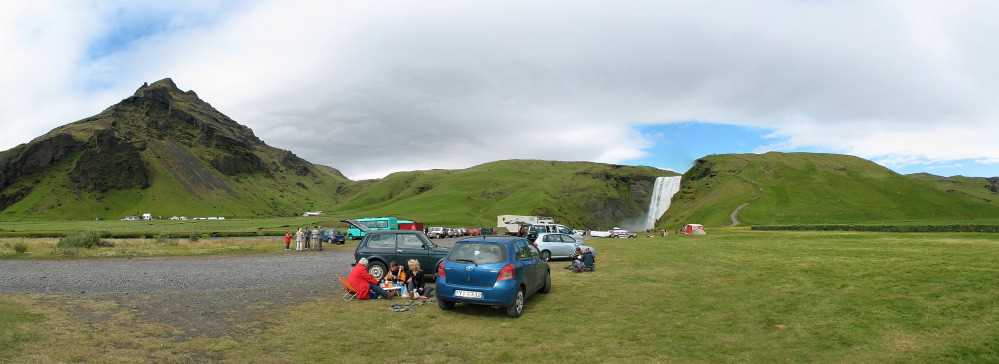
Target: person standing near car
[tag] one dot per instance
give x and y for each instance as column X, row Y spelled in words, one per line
column 299, row 239
column 316, row 241
column 287, row 241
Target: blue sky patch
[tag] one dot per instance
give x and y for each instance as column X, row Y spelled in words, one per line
column 677, row 145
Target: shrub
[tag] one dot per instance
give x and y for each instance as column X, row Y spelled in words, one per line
column 86, row 240
column 955, row 228
column 20, row 248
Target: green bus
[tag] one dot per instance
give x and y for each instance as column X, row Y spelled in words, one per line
column 373, row 223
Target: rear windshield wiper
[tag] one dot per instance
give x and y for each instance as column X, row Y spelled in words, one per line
column 467, row 261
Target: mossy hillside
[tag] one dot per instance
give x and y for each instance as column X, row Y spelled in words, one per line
column 577, row 193
column 812, row 188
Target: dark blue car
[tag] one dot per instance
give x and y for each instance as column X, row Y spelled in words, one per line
column 332, row 236
column 491, row 270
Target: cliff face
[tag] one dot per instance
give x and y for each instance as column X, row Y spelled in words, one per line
column 109, row 163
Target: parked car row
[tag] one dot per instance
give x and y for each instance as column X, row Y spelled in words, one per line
column 500, row 271
column 439, row 232
column 532, row 231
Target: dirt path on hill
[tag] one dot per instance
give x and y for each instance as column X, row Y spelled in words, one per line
column 734, row 216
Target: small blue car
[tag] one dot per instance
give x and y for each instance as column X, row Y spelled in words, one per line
column 333, row 237
column 494, row 271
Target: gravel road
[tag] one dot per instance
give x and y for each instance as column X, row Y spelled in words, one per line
column 198, row 295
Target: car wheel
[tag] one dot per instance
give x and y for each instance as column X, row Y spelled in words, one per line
column 546, row 255
column 445, row 305
column 517, row 307
column 548, row 283
column 376, row 269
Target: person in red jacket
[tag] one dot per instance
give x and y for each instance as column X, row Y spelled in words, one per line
column 287, row 241
column 363, row 283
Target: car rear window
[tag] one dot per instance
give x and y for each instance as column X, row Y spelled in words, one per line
column 478, row 253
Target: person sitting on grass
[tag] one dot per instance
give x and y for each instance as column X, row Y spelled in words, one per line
column 395, row 275
column 363, row 283
column 577, row 261
column 415, row 280
column 589, row 260
column 394, row 271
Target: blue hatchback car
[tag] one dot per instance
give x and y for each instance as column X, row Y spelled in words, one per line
column 494, row 271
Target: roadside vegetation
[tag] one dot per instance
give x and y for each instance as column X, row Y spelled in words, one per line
column 49, row 248
column 175, row 229
column 733, row 295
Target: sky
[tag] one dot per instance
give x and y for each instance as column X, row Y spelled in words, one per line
column 377, row 87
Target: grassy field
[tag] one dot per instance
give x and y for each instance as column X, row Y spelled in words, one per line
column 732, row 296
column 264, row 226
column 45, row 248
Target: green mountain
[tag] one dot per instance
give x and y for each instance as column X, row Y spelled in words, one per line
column 577, row 193
column 165, row 151
column 802, row 188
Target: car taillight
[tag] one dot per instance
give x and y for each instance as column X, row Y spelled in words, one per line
column 506, row 273
column 440, row 270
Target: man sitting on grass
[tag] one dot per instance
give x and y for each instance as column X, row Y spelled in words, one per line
column 363, row 283
column 589, row 260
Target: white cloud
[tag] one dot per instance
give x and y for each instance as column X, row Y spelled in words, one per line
column 374, row 87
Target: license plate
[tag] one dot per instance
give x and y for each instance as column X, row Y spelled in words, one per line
column 468, row 294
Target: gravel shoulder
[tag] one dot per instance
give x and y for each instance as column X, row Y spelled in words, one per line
column 202, row 296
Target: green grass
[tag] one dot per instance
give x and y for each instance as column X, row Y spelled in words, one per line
column 14, row 332
column 731, row 296
column 159, row 247
column 265, row 226
column 810, row 188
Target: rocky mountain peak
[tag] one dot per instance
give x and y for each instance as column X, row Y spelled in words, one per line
column 164, row 89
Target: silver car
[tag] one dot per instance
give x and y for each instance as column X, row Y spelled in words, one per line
column 557, row 245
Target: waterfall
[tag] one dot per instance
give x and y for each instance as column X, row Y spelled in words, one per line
column 662, row 194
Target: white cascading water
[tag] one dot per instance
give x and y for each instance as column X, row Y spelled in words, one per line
column 662, row 194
